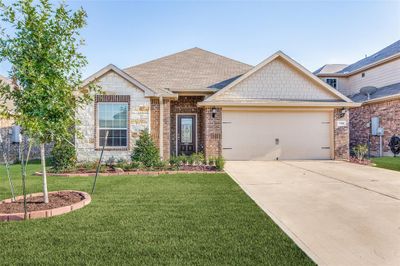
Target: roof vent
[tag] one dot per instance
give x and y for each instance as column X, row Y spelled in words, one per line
column 368, row 91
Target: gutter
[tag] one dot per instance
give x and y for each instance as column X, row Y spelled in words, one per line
column 382, row 99
column 279, row 104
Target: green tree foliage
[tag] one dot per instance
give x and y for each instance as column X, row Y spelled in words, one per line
column 146, row 151
column 42, row 44
column 63, row 156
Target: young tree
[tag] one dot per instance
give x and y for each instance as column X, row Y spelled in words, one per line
column 42, row 43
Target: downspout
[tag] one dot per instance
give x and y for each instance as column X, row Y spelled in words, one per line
column 161, row 135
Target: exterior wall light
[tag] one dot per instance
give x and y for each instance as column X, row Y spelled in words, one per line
column 213, row 112
column 343, row 112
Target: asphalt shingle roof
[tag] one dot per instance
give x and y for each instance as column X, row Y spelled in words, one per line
column 386, row 52
column 329, row 69
column 189, row 70
column 381, row 92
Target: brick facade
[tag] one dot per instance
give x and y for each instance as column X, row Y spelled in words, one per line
column 187, row 105
column 341, row 135
column 155, row 125
column 212, row 132
column 360, row 117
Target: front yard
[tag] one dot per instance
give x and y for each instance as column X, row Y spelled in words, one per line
column 198, row 219
column 392, row 163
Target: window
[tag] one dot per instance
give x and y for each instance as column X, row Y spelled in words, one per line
column 362, row 74
column 332, row 82
column 113, row 117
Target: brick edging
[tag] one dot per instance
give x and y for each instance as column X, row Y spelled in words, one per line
column 152, row 173
column 45, row 213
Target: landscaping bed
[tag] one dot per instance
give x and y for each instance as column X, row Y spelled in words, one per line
column 60, row 202
column 36, row 203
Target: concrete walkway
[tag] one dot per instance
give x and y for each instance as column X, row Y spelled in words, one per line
column 339, row 213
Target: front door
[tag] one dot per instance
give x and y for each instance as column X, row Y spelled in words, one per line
column 186, row 134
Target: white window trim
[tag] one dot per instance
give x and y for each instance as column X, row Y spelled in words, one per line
column 98, row 127
column 326, row 81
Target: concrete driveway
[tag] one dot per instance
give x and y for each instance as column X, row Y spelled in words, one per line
column 339, row 213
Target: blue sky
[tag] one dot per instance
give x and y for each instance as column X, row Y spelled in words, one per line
column 127, row 33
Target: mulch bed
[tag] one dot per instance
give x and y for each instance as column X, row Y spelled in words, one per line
column 56, row 200
column 357, row 161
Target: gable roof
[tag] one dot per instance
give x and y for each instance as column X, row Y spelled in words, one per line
column 329, row 68
column 214, row 98
column 190, row 70
column 387, row 53
column 144, row 88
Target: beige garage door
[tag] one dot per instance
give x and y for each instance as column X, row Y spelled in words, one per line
column 283, row 135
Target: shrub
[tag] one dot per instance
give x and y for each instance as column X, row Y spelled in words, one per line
column 220, row 163
column 211, row 161
column 190, row 159
column 63, row 157
column 198, row 158
column 360, row 151
column 146, row 151
column 183, row 159
column 111, row 162
column 174, row 162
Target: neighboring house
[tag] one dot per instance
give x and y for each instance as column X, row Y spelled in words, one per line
column 6, row 131
column 198, row 101
column 375, row 82
column 10, row 134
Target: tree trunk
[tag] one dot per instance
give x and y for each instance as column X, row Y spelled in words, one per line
column 43, row 160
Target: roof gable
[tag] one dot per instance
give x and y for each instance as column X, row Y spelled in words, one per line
column 121, row 73
column 190, row 70
column 278, row 78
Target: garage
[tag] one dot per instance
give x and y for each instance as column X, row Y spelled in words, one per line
column 277, row 135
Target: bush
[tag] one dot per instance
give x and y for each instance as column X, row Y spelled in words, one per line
column 146, row 151
column 360, row 151
column 174, row 162
column 211, row 161
column 198, row 158
column 220, row 163
column 190, row 159
column 63, row 157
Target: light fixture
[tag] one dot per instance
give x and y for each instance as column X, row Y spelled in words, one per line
column 343, row 112
column 213, row 112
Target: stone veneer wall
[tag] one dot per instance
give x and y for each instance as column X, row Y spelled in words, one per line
column 212, row 132
column 112, row 84
column 12, row 149
column 187, row 105
column 155, row 125
column 341, row 136
column 360, row 117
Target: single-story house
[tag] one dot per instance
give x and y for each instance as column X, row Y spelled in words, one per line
column 198, row 101
column 374, row 82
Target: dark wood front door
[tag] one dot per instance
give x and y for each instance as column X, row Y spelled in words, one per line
column 186, row 134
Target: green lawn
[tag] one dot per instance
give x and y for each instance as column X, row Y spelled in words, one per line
column 392, row 163
column 202, row 219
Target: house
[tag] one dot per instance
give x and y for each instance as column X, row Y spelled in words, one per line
column 6, row 131
column 373, row 81
column 198, row 101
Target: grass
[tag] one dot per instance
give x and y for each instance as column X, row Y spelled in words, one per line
column 392, row 163
column 201, row 219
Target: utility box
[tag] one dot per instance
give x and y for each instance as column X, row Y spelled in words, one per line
column 375, row 126
column 16, row 134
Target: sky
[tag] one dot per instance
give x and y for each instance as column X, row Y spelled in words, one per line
column 314, row 33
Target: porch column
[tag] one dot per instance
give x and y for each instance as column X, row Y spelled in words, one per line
column 161, row 133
